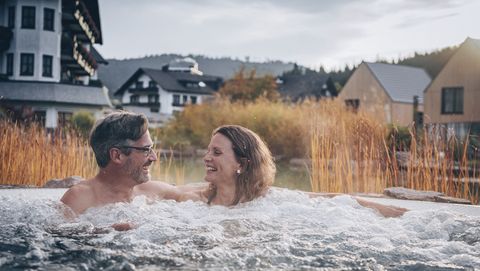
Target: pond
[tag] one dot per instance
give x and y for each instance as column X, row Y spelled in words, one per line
column 284, row 230
column 192, row 170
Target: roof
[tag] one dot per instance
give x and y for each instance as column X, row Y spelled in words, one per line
column 296, row 85
column 172, row 81
column 401, row 82
column 476, row 42
column 97, row 56
column 34, row 91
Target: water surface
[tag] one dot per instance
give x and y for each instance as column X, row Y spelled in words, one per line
column 284, row 230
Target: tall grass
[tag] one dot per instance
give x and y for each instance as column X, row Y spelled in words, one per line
column 31, row 156
column 351, row 153
column 283, row 126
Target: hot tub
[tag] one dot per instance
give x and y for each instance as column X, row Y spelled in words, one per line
column 284, row 230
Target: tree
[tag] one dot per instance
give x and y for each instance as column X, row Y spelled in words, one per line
column 245, row 87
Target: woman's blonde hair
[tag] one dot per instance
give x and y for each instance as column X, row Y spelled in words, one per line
column 258, row 169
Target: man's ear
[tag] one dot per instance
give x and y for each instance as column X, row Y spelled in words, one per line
column 116, row 156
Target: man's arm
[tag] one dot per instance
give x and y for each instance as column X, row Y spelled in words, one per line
column 78, row 199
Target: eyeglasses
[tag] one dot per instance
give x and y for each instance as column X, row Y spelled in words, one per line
column 147, row 151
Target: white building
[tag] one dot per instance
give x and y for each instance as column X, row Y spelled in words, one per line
column 160, row 93
column 47, row 59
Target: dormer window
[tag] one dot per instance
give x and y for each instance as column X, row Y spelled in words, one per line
column 151, row 84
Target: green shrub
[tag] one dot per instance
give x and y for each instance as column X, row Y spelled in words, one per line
column 83, row 122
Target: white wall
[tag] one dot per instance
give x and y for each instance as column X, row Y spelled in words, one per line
column 37, row 41
column 53, row 110
column 165, row 99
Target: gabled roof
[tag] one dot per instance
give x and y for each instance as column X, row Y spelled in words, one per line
column 173, row 81
column 34, row 91
column 310, row 83
column 476, row 42
column 400, row 82
column 468, row 40
column 98, row 57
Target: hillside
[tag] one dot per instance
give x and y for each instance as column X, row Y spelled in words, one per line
column 117, row 72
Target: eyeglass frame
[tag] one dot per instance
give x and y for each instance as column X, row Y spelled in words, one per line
column 146, row 150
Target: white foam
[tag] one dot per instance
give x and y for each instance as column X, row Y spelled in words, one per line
column 285, row 229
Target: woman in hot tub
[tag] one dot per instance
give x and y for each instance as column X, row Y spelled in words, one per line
column 239, row 168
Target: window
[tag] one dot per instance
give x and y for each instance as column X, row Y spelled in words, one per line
column 193, row 99
column 176, row 99
column 185, row 99
column 452, row 100
column 134, row 99
column 64, row 119
column 9, row 64
column 40, row 117
column 151, row 84
column 47, row 66
column 26, row 64
column 11, row 17
column 28, row 17
column 48, row 19
column 153, row 98
column 353, row 104
column 138, row 85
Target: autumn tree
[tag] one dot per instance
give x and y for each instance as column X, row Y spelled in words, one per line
column 246, row 87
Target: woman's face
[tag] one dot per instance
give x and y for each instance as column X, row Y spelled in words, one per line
column 220, row 162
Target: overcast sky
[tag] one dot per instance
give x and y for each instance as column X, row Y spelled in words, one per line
column 309, row 32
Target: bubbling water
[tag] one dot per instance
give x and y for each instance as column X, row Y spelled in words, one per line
column 284, row 230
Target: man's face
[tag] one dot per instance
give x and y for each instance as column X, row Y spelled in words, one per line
column 138, row 162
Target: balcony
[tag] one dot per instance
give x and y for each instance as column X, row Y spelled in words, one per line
column 76, row 58
column 77, row 19
column 147, row 90
column 144, row 104
column 178, row 104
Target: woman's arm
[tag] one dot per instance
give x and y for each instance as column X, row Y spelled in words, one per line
column 384, row 210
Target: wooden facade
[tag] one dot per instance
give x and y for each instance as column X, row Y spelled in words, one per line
column 365, row 91
column 461, row 73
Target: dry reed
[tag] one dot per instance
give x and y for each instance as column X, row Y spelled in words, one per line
column 31, row 156
column 350, row 154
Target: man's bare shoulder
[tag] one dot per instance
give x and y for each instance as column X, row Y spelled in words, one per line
column 79, row 197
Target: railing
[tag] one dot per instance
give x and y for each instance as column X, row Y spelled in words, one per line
column 84, row 58
column 178, row 104
column 142, row 89
column 86, row 21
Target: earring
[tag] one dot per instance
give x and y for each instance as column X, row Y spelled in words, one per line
column 238, row 171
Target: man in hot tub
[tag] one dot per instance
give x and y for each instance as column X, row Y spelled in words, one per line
column 123, row 151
